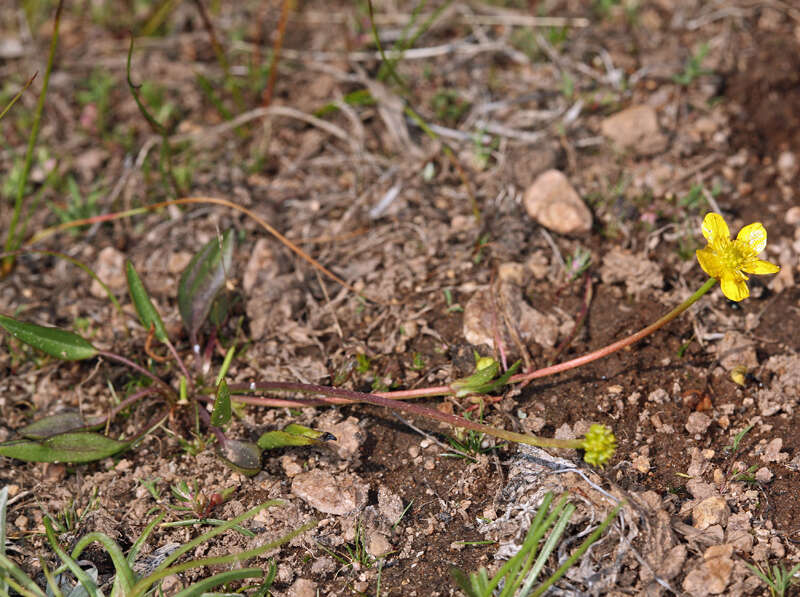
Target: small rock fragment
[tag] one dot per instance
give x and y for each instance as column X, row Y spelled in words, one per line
column 710, row 511
column 635, row 128
column 763, row 475
column 772, row 453
column 787, row 165
column 673, row 563
column 792, row 215
column 262, row 266
column 302, row 587
column 349, row 437
column 291, row 468
column 636, row 271
column 713, row 575
column 642, row 464
column 699, row 489
column 483, row 319
column 329, row 494
column 698, row 423
column 377, row 544
column 389, row 504
column 739, row 532
column 110, row 268
column 735, row 350
column 553, row 202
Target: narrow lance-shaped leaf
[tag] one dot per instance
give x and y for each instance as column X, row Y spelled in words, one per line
column 243, row 457
column 60, row 344
column 202, row 279
column 222, row 405
column 147, row 312
column 56, row 424
column 75, row 447
column 293, row 435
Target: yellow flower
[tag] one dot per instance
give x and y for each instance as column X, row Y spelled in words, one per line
column 729, row 260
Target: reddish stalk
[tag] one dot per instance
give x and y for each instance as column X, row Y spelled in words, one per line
column 620, row 344
column 266, row 98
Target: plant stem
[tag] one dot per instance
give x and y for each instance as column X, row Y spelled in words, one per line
column 618, row 345
column 351, row 396
column 13, row 241
column 120, row 359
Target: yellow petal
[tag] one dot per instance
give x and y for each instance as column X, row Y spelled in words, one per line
column 754, row 236
column 709, row 262
column 714, row 228
column 759, row 266
column 734, row 288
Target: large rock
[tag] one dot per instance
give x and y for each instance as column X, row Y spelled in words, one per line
column 553, row 202
column 635, row 128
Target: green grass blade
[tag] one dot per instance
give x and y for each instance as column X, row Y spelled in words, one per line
column 83, row 578
column 52, row 583
column 125, row 578
column 134, row 550
column 578, row 552
column 144, row 584
column 19, row 95
column 549, row 545
column 204, row 585
column 214, row 532
column 21, row 583
column 535, row 532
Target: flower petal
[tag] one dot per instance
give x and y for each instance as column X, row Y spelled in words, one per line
column 734, row 287
column 759, row 266
column 754, row 236
column 710, row 263
column 714, row 228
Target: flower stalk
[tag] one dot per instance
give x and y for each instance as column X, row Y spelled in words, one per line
column 599, row 443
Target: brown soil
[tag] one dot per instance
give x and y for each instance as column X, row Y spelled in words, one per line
column 732, row 131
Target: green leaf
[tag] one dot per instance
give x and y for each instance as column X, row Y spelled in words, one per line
column 83, row 446
column 60, row 344
column 202, row 587
column 219, row 310
column 243, row 457
column 222, row 405
column 147, row 312
column 54, row 425
column 293, row 435
column 202, row 280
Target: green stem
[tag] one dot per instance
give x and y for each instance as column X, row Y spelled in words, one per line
column 618, row 345
column 14, row 236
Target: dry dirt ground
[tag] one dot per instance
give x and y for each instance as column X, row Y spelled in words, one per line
column 656, row 112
